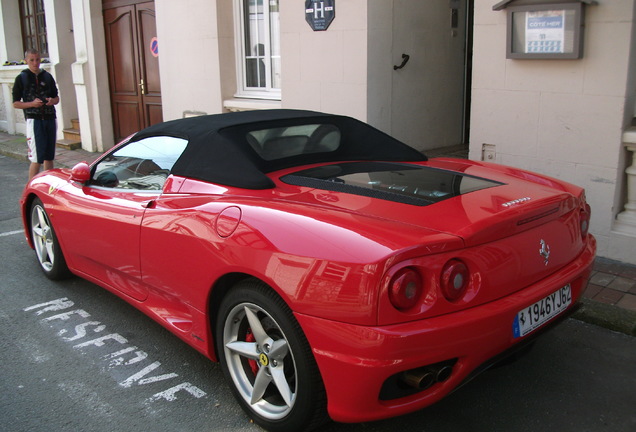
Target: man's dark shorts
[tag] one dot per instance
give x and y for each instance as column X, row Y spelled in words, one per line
column 41, row 138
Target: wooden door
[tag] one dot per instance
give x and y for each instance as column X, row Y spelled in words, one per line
column 133, row 67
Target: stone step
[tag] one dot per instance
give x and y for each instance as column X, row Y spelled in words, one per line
column 75, row 124
column 72, row 134
column 69, row 144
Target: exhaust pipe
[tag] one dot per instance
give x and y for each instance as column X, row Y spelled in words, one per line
column 413, row 381
column 444, row 373
column 425, row 377
column 420, row 379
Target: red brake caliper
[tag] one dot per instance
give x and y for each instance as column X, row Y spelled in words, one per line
column 249, row 337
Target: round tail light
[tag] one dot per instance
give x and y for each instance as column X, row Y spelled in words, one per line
column 455, row 280
column 405, row 288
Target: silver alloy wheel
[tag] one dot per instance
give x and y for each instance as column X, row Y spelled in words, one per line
column 43, row 239
column 260, row 361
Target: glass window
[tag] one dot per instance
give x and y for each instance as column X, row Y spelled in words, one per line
column 258, row 36
column 405, row 183
column 140, row 165
column 33, row 23
column 278, row 143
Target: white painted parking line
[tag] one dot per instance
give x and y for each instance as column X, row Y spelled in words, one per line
column 11, row 233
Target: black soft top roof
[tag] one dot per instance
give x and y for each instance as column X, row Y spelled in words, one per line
column 218, row 150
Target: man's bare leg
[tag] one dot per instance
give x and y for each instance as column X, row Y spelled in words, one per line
column 34, row 168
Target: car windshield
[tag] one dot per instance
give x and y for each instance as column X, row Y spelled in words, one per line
column 143, row 164
column 399, row 182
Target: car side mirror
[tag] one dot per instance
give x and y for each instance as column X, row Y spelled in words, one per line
column 81, row 173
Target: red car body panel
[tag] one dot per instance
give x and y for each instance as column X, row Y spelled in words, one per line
column 356, row 360
column 330, row 256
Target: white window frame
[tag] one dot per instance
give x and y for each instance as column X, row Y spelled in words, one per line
column 243, row 90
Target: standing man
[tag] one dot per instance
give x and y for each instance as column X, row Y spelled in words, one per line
column 35, row 92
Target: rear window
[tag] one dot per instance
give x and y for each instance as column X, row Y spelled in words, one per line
column 284, row 142
column 398, row 182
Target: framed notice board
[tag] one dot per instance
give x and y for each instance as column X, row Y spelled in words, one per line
column 546, row 31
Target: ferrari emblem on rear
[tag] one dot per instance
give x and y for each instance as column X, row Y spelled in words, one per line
column 545, row 251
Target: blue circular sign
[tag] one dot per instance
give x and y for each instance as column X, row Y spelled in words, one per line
column 154, row 47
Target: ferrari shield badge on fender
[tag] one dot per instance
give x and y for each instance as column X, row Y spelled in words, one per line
column 545, row 251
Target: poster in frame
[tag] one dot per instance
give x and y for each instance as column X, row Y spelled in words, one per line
column 546, row 31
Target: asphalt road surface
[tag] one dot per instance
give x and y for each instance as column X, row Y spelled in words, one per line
column 74, row 357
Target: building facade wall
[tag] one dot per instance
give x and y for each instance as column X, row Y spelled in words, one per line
column 563, row 118
column 420, row 102
column 189, row 58
column 325, row 70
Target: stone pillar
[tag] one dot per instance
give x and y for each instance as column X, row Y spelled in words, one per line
column 61, row 54
column 90, row 76
column 626, row 220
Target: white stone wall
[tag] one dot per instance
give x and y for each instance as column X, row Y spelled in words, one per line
column 189, row 57
column 563, row 118
column 325, row 70
column 10, row 45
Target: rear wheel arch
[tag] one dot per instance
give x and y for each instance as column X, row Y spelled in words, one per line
column 220, row 289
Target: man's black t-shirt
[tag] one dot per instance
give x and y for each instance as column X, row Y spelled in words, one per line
column 29, row 86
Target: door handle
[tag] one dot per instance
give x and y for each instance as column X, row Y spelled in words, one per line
column 405, row 59
column 141, row 85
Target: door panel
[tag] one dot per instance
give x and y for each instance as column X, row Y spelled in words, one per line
column 102, row 236
column 121, row 38
column 121, row 44
column 130, row 114
column 133, row 71
column 149, row 64
column 154, row 113
column 428, row 92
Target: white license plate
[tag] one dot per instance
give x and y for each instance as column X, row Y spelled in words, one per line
column 535, row 315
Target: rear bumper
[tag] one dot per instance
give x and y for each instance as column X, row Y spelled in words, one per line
column 355, row 361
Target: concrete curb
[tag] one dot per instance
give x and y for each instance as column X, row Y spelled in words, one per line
column 607, row 316
column 15, row 148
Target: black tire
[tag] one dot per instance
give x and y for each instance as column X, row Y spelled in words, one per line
column 267, row 360
column 47, row 248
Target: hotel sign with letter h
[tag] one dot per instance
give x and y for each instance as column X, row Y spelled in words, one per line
column 320, row 13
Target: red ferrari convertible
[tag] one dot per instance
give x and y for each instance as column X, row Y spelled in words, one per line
column 332, row 270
